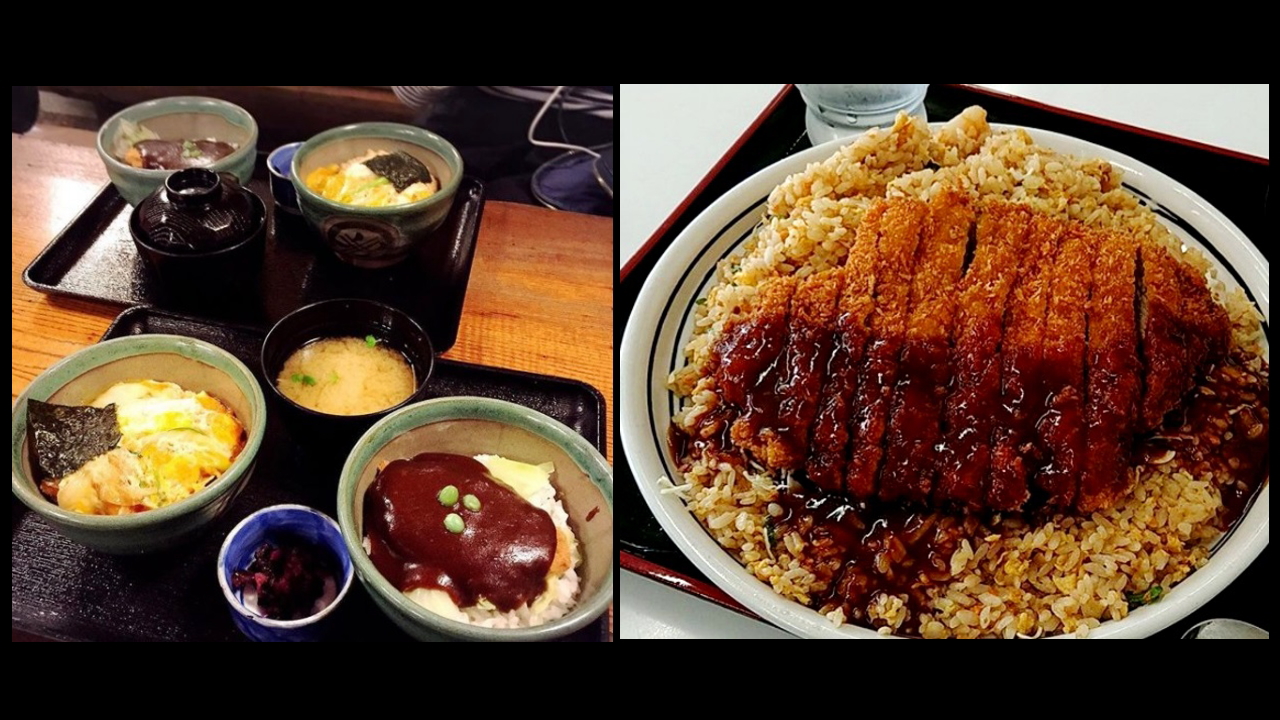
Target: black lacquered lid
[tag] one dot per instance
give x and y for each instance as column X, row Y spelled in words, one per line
column 198, row 211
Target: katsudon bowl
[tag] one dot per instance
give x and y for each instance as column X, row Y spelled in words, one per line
column 376, row 237
column 178, row 118
column 670, row 312
column 470, row 426
column 193, row 364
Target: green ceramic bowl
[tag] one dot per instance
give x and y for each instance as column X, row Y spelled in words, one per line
column 77, row 379
column 180, row 118
column 378, row 236
column 469, row 426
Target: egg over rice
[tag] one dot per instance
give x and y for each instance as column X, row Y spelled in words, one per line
column 172, row 444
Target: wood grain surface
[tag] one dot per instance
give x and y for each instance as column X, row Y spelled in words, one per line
column 540, row 297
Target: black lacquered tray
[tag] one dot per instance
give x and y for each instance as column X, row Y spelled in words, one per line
column 62, row 590
column 94, row 257
column 1239, row 185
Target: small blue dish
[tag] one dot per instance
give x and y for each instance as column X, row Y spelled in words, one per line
column 298, row 521
column 280, row 164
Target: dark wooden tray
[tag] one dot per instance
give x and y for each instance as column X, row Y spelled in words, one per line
column 1237, row 184
column 94, row 258
column 64, row 591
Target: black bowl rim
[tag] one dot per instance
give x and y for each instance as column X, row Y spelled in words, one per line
column 426, row 376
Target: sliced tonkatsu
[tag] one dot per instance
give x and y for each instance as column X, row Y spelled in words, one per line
column 804, row 366
column 981, row 356
column 916, row 414
column 964, row 457
column 829, row 437
column 1060, row 427
column 899, row 237
column 1114, row 382
column 1182, row 330
column 745, row 363
column 1022, row 355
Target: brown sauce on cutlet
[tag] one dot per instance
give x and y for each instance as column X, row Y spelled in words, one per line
column 1013, row 452
column 749, row 366
column 1016, row 380
column 1060, row 429
column 915, row 422
column 965, row 453
column 1114, row 383
column 747, row 373
column 503, row 553
column 916, row 429
column 1222, row 430
column 863, row 550
column 1059, row 422
column 830, row 433
column 899, row 239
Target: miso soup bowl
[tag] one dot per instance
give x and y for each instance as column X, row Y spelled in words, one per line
column 80, row 377
column 469, row 426
column 375, row 237
column 180, row 118
column 326, row 434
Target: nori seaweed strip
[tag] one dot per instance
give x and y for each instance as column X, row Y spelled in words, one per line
column 62, row 438
column 401, row 168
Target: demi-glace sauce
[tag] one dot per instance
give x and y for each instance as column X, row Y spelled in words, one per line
column 1223, row 430
column 180, row 154
column 858, row 550
column 503, row 554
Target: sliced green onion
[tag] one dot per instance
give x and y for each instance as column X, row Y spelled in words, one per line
column 371, row 184
column 448, row 495
column 453, row 523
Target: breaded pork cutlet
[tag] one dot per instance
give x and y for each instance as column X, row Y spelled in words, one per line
column 900, row 228
column 1182, row 330
column 965, row 455
column 804, row 366
column 829, row 438
column 1060, row 429
column 1022, row 354
column 916, row 415
column 1113, row 373
column 745, row 364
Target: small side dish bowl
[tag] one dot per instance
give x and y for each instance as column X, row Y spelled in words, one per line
column 343, row 317
column 77, row 379
column 179, row 118
column 374, row 237
column 471, row 426
column 274, row 523
column 280, row 165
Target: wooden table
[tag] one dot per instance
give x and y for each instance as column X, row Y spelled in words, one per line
column 540, row 297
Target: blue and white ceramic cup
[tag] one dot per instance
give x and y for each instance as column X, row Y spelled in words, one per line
column 276, row 521
column 280, row 165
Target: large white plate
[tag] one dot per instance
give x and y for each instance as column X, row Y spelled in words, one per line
column 661, row 324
